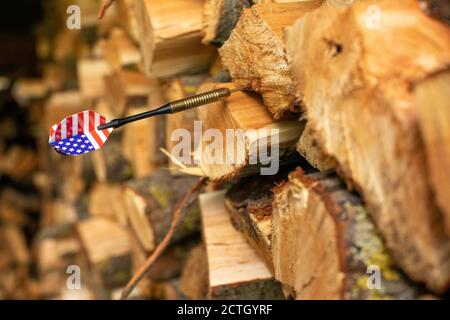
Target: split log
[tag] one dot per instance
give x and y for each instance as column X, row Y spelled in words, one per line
column 105, row 200
column 58, row 212
column 56, row 254
column 178, row 89
column 194, row 278
column 120, row 51
column 379, row 151
column 109, row 163
column 325, row 246
column 255, row 56
column 150, row 204
column 252, row 130
column 235, row 270
column 128, row 21
column 219, row 18
column 433, row 98
column 170, row 37
column 126, row 89
column 107, row 246
column 90, row 77
column 249, row 204
column 56, row 249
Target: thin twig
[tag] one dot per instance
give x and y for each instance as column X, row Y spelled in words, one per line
column 176, row 219
column 106, row 4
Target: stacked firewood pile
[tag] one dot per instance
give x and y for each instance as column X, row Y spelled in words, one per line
column 354, row 96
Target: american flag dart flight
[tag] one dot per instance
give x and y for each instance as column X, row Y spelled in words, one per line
column 78, row 134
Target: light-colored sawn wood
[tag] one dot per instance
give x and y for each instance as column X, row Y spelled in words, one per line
column 234, row 268
column 354, row 76
column 170, row 39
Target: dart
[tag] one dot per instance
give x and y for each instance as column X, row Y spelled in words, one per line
column 87, row 131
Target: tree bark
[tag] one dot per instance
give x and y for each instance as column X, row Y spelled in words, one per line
column 219, row 18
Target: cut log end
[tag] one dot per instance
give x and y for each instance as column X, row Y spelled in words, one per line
column 325, row 246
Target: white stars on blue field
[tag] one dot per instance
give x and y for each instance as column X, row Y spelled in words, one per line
column 75, row 145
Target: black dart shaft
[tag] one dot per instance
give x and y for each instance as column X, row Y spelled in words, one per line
column 174, row 107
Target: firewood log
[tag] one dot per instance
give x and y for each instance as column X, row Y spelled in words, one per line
column 433, row 100
column 90, row 77
column 56, row 253
column 254, row 53
column 127, row 18
column 249, row 204
column 219, row 18
column 253, row 128
column 150, row 203
column 379, row 151
column 235, row 270
column 105, row 201
column 120, row 51
column 125, row 89
column 107, row 246
column 56, row 249
column 194, row 278
column 170, row 37
column 325, row 246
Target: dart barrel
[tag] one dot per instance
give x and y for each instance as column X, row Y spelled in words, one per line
column 200, row 99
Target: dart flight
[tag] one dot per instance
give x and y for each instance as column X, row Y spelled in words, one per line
column 78, row 134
